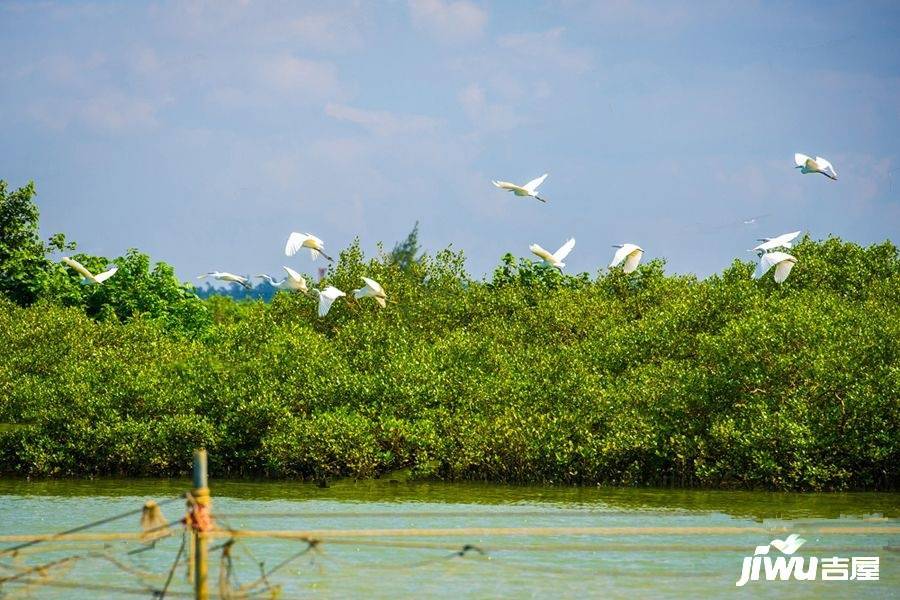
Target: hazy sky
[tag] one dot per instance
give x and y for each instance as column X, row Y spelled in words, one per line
column 203, row 133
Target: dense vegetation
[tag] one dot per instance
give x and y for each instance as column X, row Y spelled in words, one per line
column 529, row 375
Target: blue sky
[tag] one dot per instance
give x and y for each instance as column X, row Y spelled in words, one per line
column 203, row 133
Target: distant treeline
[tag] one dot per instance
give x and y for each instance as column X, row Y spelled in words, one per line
column 529, row 375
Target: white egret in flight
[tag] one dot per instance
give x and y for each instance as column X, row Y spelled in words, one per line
column 630, row 253
column 782, row 262
column 98, row 278
column 783, row 240
column 818, row 164
column 229, row 277
column 555, row 259
column 372, row 289
column 529, row 189
column 294, row 281
column 296, row 241
column 327, row 297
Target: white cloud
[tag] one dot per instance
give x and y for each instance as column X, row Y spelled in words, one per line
column 448, row 20
column 546, row 49
column 485, row 114
column 382, row 122
column 293, row 74
column 327, row 31
column 110, row 111
column 645, row 13
column 115, row 111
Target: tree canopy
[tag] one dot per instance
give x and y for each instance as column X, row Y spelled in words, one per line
column 528, row 375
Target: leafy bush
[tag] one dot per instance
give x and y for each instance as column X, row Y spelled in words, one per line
column 531, row 375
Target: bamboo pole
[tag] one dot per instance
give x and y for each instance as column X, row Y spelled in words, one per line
column 201, row 522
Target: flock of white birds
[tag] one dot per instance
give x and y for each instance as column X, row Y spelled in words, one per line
column 628, row 255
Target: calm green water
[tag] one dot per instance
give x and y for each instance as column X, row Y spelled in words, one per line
column 634, row 565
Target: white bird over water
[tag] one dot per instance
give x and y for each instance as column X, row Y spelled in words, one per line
column 529, row 189
column 630, row 253
column 327, row 298
column 818, row 164
column 782, row 262
column 296, row 241
column 555, row 259
column 371, row 289
column 98, row 278
column 294, row 281
column 226, row 276
column 782, row 241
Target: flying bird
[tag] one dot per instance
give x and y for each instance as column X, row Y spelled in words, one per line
column 737, row 223
column 555, row 259
column 271, row 280
column 783, row 240
column 372, row 289
column 814, row 165
column 229, row 277
column 327, row 298
column 296, row 241
column 529, row 189
column 782, row 262
column 82, row 270
column 294, row 281
column 630, row 253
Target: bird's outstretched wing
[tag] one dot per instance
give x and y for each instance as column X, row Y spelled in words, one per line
column 634, row 257
column 325, row 303
column 505, row 185
column 532, row 185
column 541, row 253
column 294, row 274
column 82, row 270
column 783, row 270
column 376, row 287
column 769, row 260
column 101, row 277
column 294, row 243
column 826, row 167
column 789, row 237
column 564, row 250
column 800, row 159
column 327, row 298
column 766, row 261
column 775, row 242
column 620, row 255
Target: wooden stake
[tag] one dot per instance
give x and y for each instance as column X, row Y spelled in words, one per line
column 202, row 522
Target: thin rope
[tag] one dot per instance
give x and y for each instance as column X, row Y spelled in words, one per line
column 39, row 568
column 264, row 578
column 326, row 534
column 39, row 539
column 321, row 534
column 162, row 593
column 98, row 587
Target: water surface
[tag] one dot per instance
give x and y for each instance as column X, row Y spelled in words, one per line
column 676, row 543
